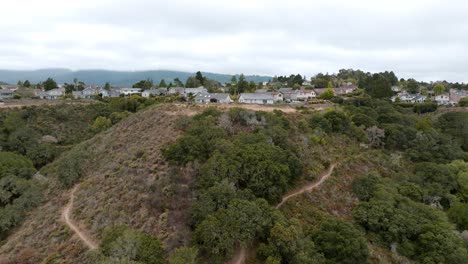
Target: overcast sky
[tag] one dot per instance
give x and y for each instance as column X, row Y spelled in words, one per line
column 425, row 39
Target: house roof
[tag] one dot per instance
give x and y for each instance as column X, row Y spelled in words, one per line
column 257, row 96
column 286, row 90
column 6, row 91
column 217, row 96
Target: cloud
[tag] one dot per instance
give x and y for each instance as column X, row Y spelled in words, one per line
column 421, row 39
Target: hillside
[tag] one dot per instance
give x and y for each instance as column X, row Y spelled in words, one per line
column 116, row 78
column 122, row 177
column 208, row 182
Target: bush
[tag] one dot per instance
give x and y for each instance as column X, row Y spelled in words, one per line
column 341, row 242
column 184, row 255
column 70, row 166
column 365, row 186
column 122, row 243
column 14, row 164
column 425, row 108
column 101, row 123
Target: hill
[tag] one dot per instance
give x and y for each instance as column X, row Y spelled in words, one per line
column 123, row 174
column 116, row 78
column 209, row 183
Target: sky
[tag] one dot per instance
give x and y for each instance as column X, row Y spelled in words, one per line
column 426, row 40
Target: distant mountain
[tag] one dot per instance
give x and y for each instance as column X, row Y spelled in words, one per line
column 3, row 83
column 116, row 78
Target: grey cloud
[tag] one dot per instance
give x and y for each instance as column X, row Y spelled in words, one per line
column 422, row 39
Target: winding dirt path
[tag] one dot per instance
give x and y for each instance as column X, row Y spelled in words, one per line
column 308, row 187
column 70, row 223
column 240, row 255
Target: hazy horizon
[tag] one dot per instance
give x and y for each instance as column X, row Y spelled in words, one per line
column 417, row 39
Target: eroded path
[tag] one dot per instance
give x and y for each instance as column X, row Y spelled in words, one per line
column 70, row 223
column 239, row 257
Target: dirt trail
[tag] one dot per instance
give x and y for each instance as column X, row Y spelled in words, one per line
column 308, row 187
column 70, row 223
column 240, row 255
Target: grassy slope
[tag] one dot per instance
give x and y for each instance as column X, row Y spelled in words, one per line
column 123, row 174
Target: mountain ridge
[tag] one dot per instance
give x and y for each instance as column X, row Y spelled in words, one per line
column 115, row 78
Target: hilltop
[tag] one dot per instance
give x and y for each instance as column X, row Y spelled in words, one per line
column 116, row 78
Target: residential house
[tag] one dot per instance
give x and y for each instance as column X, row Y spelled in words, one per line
column 91, row 92
column 261, row 91
column 345, row 89
column 256, row 98
column 195, row 91
column 130, row 91
column 442, row 99
column 396, row 89
column 6, row 94
column 289, row 94
column 456, row 95
column 52, row 94
column 304, row 94
column 204, row 98
column 176, row 90
column 154, row 92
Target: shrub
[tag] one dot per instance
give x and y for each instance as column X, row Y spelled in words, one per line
column 184, row 255
column 15, row 164
column 425, row 108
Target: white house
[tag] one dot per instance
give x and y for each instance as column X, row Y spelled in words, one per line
column 304, row 94
column 256, row 98
column 52, row 94
column 6, row 94
column 149, row 93
column 442, row 99
column 176, row 90
column 195, row 91
column 130, row 91
column 222, row 98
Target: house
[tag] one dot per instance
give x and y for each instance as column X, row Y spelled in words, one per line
column 396, row 89
column 256, row 98
column 176, row 90
column 204, row 98
column 90, row 92
column 51, row 94
column 442, row 99
column 6, row 94
column 194, row 91
column 261, row 91
column 345, row 89
column 154, row 92
column 130, row 91
column 456, row 95
column 304, row 94
column 289, row 94
column 419, row 99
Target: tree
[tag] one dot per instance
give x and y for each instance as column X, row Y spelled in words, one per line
column 412, row 86
column 458, row 214
column 178, row 83
column 341, row 242
column 375, row 136
column 107, row 86
column 242, row 85
column 199, row 76
column 27, row 84
column 50, row 84
column 463, row 102
column 439, row 89
column 327, row 94
column 144, row 84
column 378, row 86
column 162, row 84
